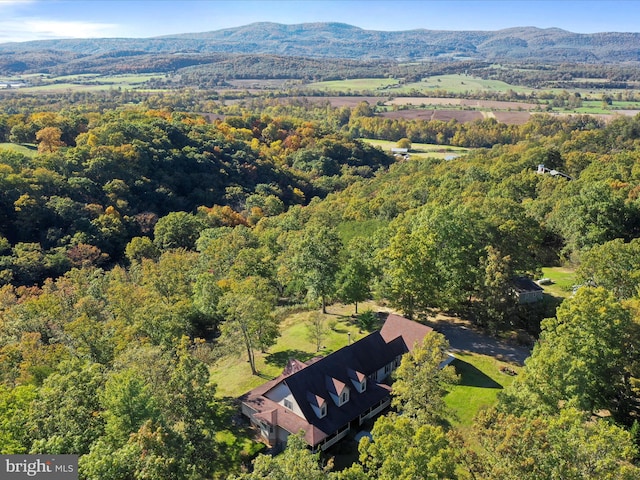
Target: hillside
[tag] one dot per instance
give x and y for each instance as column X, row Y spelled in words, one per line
column 323, row 40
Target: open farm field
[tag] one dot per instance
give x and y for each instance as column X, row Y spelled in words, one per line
column 422, row 150
column 461, row 84
column 86, row 82
column 450, row 83
column 460, row 116
column 511, row 118
column 463, row 110
column 513, row 112
column 443, row 115
column 357, row 84
column 461, row 102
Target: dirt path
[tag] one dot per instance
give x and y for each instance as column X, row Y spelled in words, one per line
column 463, row 337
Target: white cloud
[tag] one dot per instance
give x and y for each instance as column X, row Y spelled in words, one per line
column 20, row 30
column 61, row 29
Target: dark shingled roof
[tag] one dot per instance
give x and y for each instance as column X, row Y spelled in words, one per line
column 311, row 383
column 524, row 284
column 367, row 356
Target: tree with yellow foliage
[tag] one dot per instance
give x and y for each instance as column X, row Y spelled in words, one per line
column 49, row 139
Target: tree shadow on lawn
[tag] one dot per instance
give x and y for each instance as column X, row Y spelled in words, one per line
column 280, row 359
column 471, row 376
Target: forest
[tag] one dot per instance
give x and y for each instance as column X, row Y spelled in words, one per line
column 141, row 240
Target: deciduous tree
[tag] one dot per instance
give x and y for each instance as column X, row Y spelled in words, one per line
column 249, row 320
column 570, row 446
column 420, row 383
column 317, row 260
column 177, row 230
column 614, row 265
column 354, row 277
column 406, row 449
column 581, row 358
column 49, row 139
column 295, row 463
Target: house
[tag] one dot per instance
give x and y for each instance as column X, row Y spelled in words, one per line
column 328, row 396
column 526, row 290
column 554, row 173
column 399, row 151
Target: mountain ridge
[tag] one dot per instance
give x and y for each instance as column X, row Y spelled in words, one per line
column 341, row 40
column 334, row 41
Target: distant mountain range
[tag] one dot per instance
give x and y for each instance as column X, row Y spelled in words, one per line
column 334, row 40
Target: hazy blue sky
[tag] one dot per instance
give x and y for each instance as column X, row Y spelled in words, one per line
column 40, row 19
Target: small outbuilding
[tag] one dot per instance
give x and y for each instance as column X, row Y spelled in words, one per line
column 526, row 290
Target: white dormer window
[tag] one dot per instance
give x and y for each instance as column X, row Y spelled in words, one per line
column 362, row 386
column 318, row 404
column 358, row 379
column 344, row 397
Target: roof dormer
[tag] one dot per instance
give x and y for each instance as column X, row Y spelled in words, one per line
column 358, row 379
column 338, row 390
column 318, row 404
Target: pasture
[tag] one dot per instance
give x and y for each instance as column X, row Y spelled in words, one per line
column 459, row 83
column 421, row 150
column 449, row 83
column 355, row 85
column 86, row 82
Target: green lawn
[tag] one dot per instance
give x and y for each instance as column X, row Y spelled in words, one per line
column 481, row 378
column 563, row 279
column 480, row 382
column 27, row 150
column 232, row 373
column 421, row 150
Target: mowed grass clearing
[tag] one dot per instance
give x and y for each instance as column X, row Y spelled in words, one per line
column 421, row 150
column 480, row 376
column 27, row 150
column 480, row 382
column 562, row 281
column 232, row 373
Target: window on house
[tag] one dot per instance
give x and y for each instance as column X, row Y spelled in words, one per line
column 288, row 404
column 344, row 398
column 363, row 385
column 323, row 410
column 387, row 368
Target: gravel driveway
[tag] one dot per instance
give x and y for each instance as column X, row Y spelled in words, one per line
column 463, row 337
